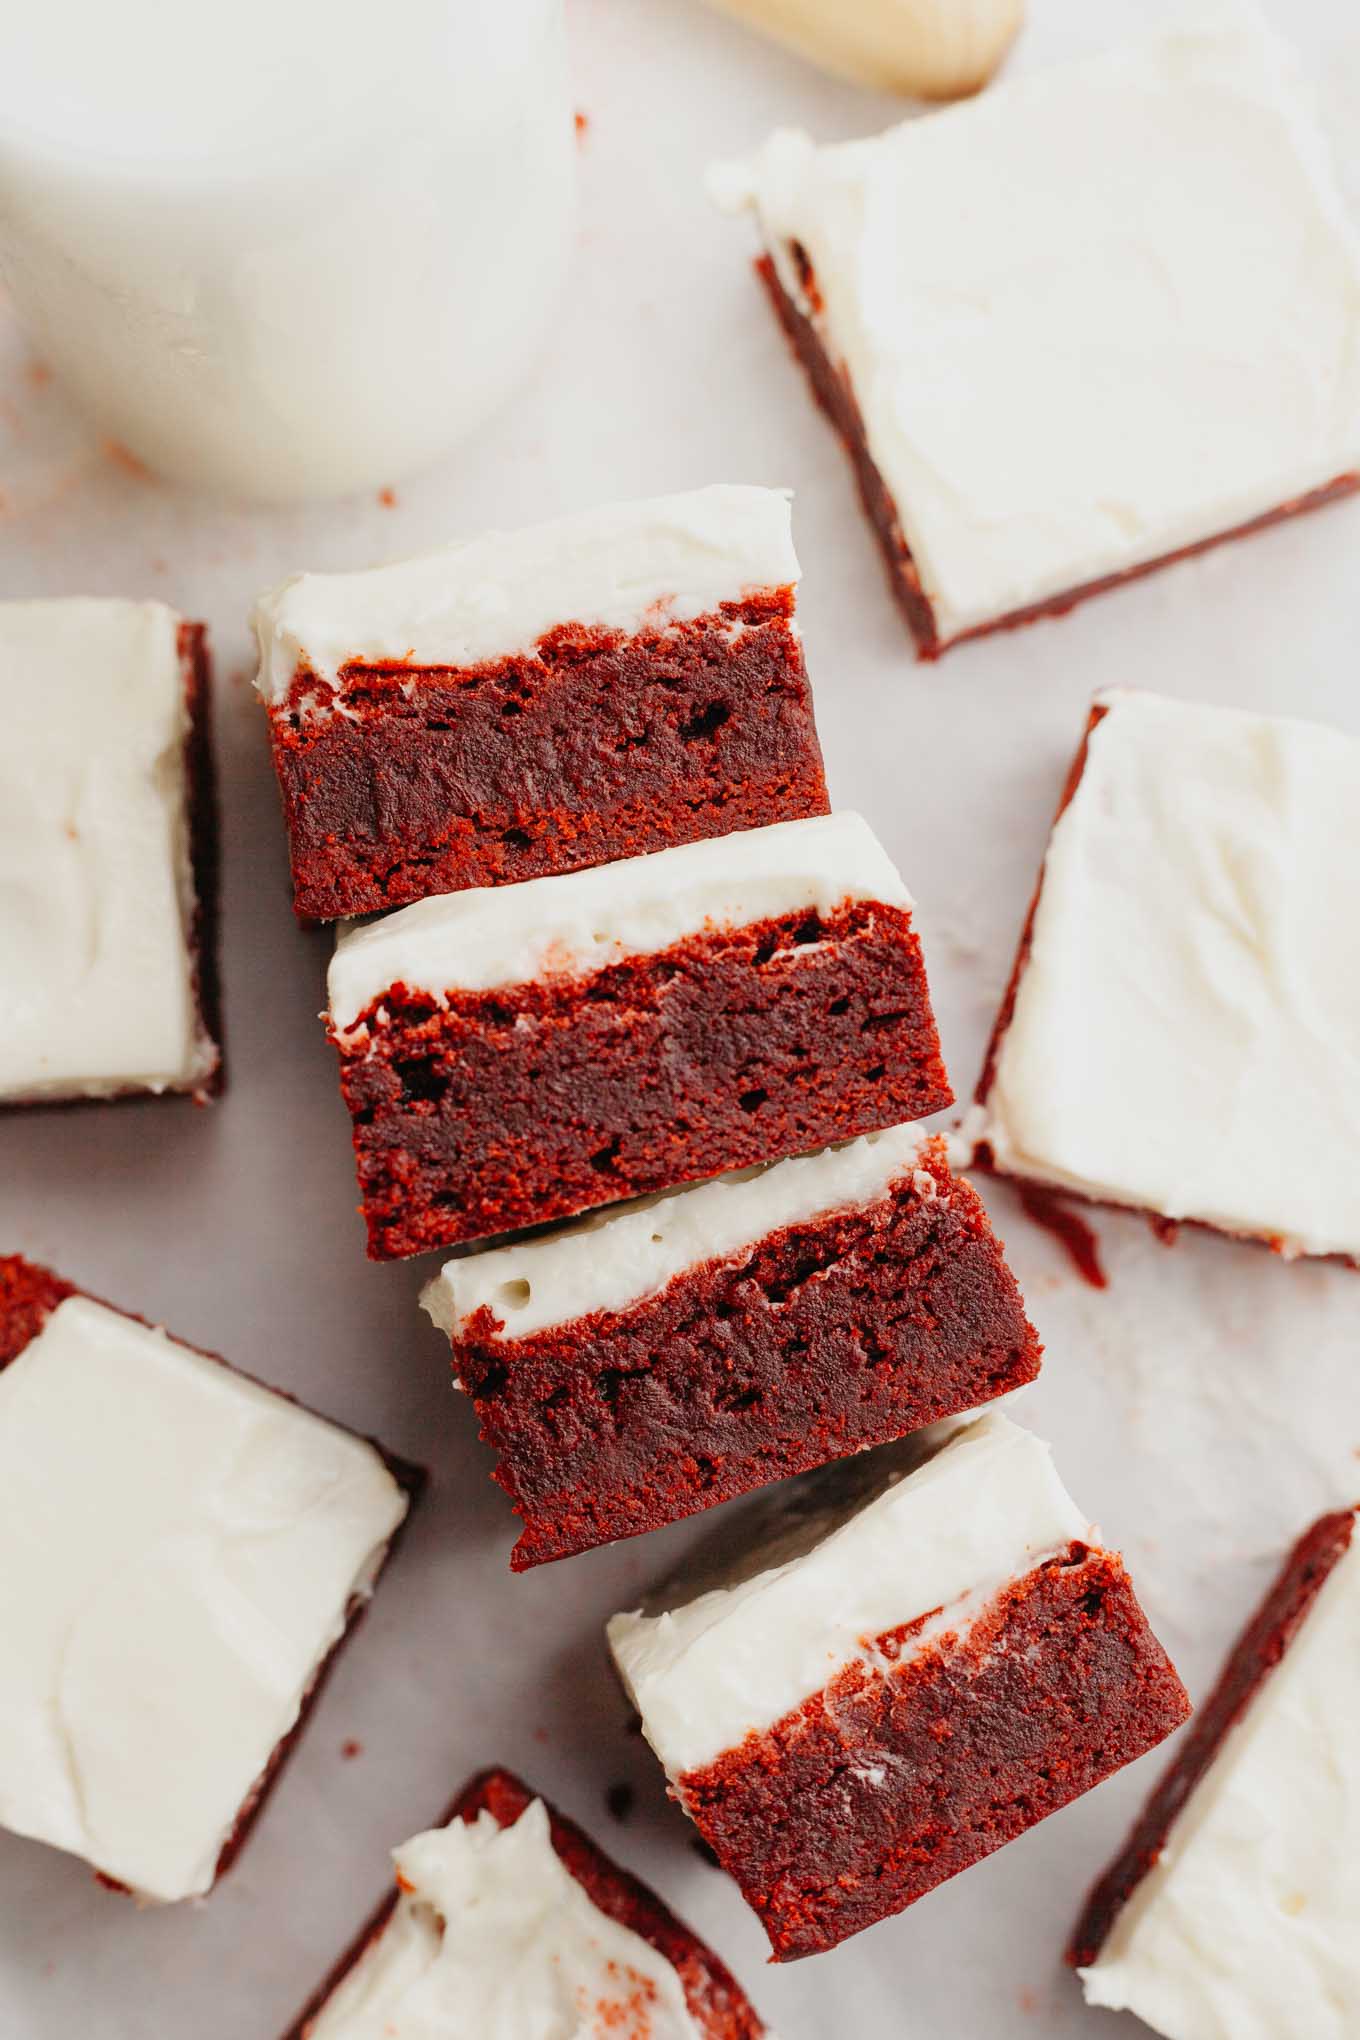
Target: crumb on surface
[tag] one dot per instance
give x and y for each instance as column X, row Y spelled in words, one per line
column 619, row 1799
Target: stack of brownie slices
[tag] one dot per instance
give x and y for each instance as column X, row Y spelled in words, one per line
column 643, row 1035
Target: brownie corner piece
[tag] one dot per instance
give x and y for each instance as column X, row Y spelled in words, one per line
column 138, row 1614
column 1249, row 1841
column 917, row 324
column 525, row 703
column 606, row 1955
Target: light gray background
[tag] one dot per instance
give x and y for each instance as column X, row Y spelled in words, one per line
column 1202, row 1408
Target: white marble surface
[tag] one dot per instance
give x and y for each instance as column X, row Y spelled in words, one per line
column 1202, row 1407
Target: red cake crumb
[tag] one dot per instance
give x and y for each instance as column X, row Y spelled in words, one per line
column 661, row 1069
column 1263, row 1643
column 843, row 1331
column 1069, row 1229
column 716, row 2003
column 593, row 746
column 832, row 389
column 886, row 1783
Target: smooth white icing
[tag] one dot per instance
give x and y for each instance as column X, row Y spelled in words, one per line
column 615, row 1259
column 1184, row 1036
column 583, row 921
column 669, row 559
column 1114, row 338
column 945, row 1536
column 96, row 890
column 1245, row 1928
column 178, row 1548
column 494, row 1939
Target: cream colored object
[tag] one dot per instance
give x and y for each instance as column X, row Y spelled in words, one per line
column 925, row 49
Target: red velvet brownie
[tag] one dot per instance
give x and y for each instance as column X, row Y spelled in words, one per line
column 538, row 701
column 881, row 1680
column 1048, row 384
column 1232, row 1909
column 641, row 1366
column 108, row 854
column 522, row 1053
column 182, row 1551
column 507, row 1917
column 1178, row 1034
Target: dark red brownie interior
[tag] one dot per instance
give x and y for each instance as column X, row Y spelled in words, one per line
column 596, row 745
column 716, row 2002
column 886, row 1783
column 1263, row 1643
column 828, row 1336
column 204, row 846
column 491, row 1111
column 28, row 1296
column 833, row 392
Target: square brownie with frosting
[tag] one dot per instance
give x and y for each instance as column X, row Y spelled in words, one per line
column 882, row 1675
column 1232, row 1908
column 517, row 1054
column 647, row 1363
column 508, row 1919
column 108, row 854
column 1179, row 1034
column 182, row 1551
column 537, row 701
column 1097, row 318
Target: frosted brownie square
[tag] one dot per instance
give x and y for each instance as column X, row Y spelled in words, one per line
column 181, row 1553
column 645, row 1364
column 536, row 701
column 887, row 1673
column 518, row 1054
column 1098, row 317
column 507, row 1919
column 1233, row 1907
column 108, row 854
column 1179, row 1035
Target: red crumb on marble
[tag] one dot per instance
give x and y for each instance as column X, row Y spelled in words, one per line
column 388, row 498
column 1029, row 2002
column 351, row 1748
column 37, row 375
column 1070, row 1230
column 122, row 457
column 582, row 126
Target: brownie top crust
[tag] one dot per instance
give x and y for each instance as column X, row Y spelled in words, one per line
column 493, row 1936
column 1183, row 1034
column 180, row 1548
column 97, row 902
column 622, row 567
column 915, row 1537
column 618, row 1258
column 1246, row 1922
column 583, row 921
column 1179, row 317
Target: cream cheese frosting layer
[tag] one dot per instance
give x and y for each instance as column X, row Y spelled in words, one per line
column 1063, row 375
column 583, row 921
column 618, row 1259
column 1184, row 1036
column 619, row 567
column 178, row 1550
column 494, row 1939
column 1245, row 1927
column 96, row 890
column 939, row 1541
